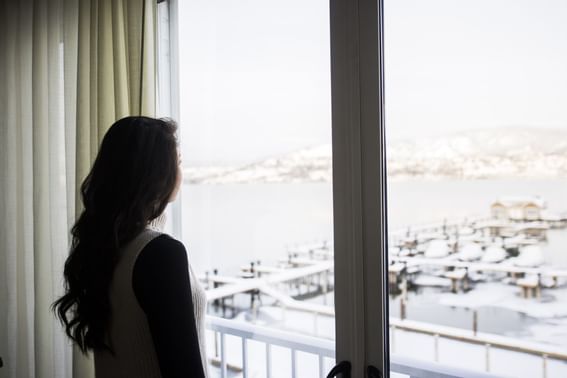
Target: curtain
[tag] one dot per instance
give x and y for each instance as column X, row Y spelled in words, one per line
column 68, row 70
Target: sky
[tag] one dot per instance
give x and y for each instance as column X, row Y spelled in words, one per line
column 255, row 74
column 452, row 65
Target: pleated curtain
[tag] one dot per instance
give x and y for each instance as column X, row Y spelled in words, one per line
column 68, row 70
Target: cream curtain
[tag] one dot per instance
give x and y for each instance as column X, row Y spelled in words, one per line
column 68, row 70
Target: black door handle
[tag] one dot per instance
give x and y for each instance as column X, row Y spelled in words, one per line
column 373, row 372
column 342, row 368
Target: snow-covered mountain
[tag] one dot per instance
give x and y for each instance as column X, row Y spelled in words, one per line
column 308, row 165
column 506, row 152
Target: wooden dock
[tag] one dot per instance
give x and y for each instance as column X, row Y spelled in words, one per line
column 303, row 263
column 480, row 267
column 234, row 285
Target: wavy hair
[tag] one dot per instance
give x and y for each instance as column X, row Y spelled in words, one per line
column 131, row 182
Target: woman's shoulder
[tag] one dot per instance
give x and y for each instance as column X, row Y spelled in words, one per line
column 161, row 268
column 163, row 248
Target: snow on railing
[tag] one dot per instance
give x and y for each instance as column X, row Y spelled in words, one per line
column 485, row 340
column 322, row 348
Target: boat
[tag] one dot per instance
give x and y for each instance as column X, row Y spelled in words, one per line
column 437, row 249
column 494, row 254
column 530, row 256
column 470, row 252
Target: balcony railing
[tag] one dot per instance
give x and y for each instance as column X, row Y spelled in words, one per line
column 321, row 348
column 486, row 341
column 271, row 337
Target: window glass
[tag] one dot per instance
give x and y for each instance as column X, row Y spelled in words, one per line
column 256, row 143
column 477, row 175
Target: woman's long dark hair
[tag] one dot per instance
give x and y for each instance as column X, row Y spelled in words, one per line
column 129, row 185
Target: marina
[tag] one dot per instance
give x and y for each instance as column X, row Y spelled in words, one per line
column 476, row 252
column 461, row 250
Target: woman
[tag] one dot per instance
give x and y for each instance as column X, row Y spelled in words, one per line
column 131, row 296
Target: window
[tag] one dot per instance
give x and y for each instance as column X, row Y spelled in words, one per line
column 472, row 232
column 257, row 199
column 476, row 156
column 270, row 188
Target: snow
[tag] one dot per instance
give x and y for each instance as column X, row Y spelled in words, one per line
column 466, row 231
column 506, row 296
column 549, row 216
column 393, row 251
column 530, row 256
column 518, row 152
column 520, row 239
column 458, row 274
column 529, row 281
column 437, row 249
column 423, row 280
column 404, row 343
column 427, row 236
column 510, row 152
column 494, row 254
column 469, row 356
column 550, row 330
column 470, row 252
column 396, row 267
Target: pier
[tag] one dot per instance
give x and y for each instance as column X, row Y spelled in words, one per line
column 310, row 264
column 308, row 271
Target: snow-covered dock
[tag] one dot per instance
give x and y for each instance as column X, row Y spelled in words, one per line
column 233, row 285
column 502, row 255
column 480, row 267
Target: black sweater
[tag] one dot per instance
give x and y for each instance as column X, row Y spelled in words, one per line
column 163, row 289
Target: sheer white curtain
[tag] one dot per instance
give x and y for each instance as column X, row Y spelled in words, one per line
column 68, row 69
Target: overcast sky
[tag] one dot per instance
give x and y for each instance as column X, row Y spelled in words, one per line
column 255, row 76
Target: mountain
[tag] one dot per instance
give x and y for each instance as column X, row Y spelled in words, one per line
column 507, row 152
column 307, row 165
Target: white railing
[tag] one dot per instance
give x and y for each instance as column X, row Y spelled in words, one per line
column 271, row 337
column 322, row 348
column 421, row 369
column 487, row 341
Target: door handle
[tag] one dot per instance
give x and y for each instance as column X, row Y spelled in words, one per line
column 373, row 372
column 342, row 368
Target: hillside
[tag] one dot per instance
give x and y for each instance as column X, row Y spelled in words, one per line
column 479, row 154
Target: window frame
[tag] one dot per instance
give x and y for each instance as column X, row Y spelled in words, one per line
column 359, row 173
column 167, row 101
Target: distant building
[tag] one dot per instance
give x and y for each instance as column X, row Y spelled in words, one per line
column 518, row 208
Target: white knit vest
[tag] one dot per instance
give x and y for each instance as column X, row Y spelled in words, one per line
column 129, row 332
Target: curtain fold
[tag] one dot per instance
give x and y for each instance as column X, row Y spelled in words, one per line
column 69, row 69
column 116, row 54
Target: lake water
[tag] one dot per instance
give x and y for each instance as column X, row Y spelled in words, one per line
column 226, row 226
